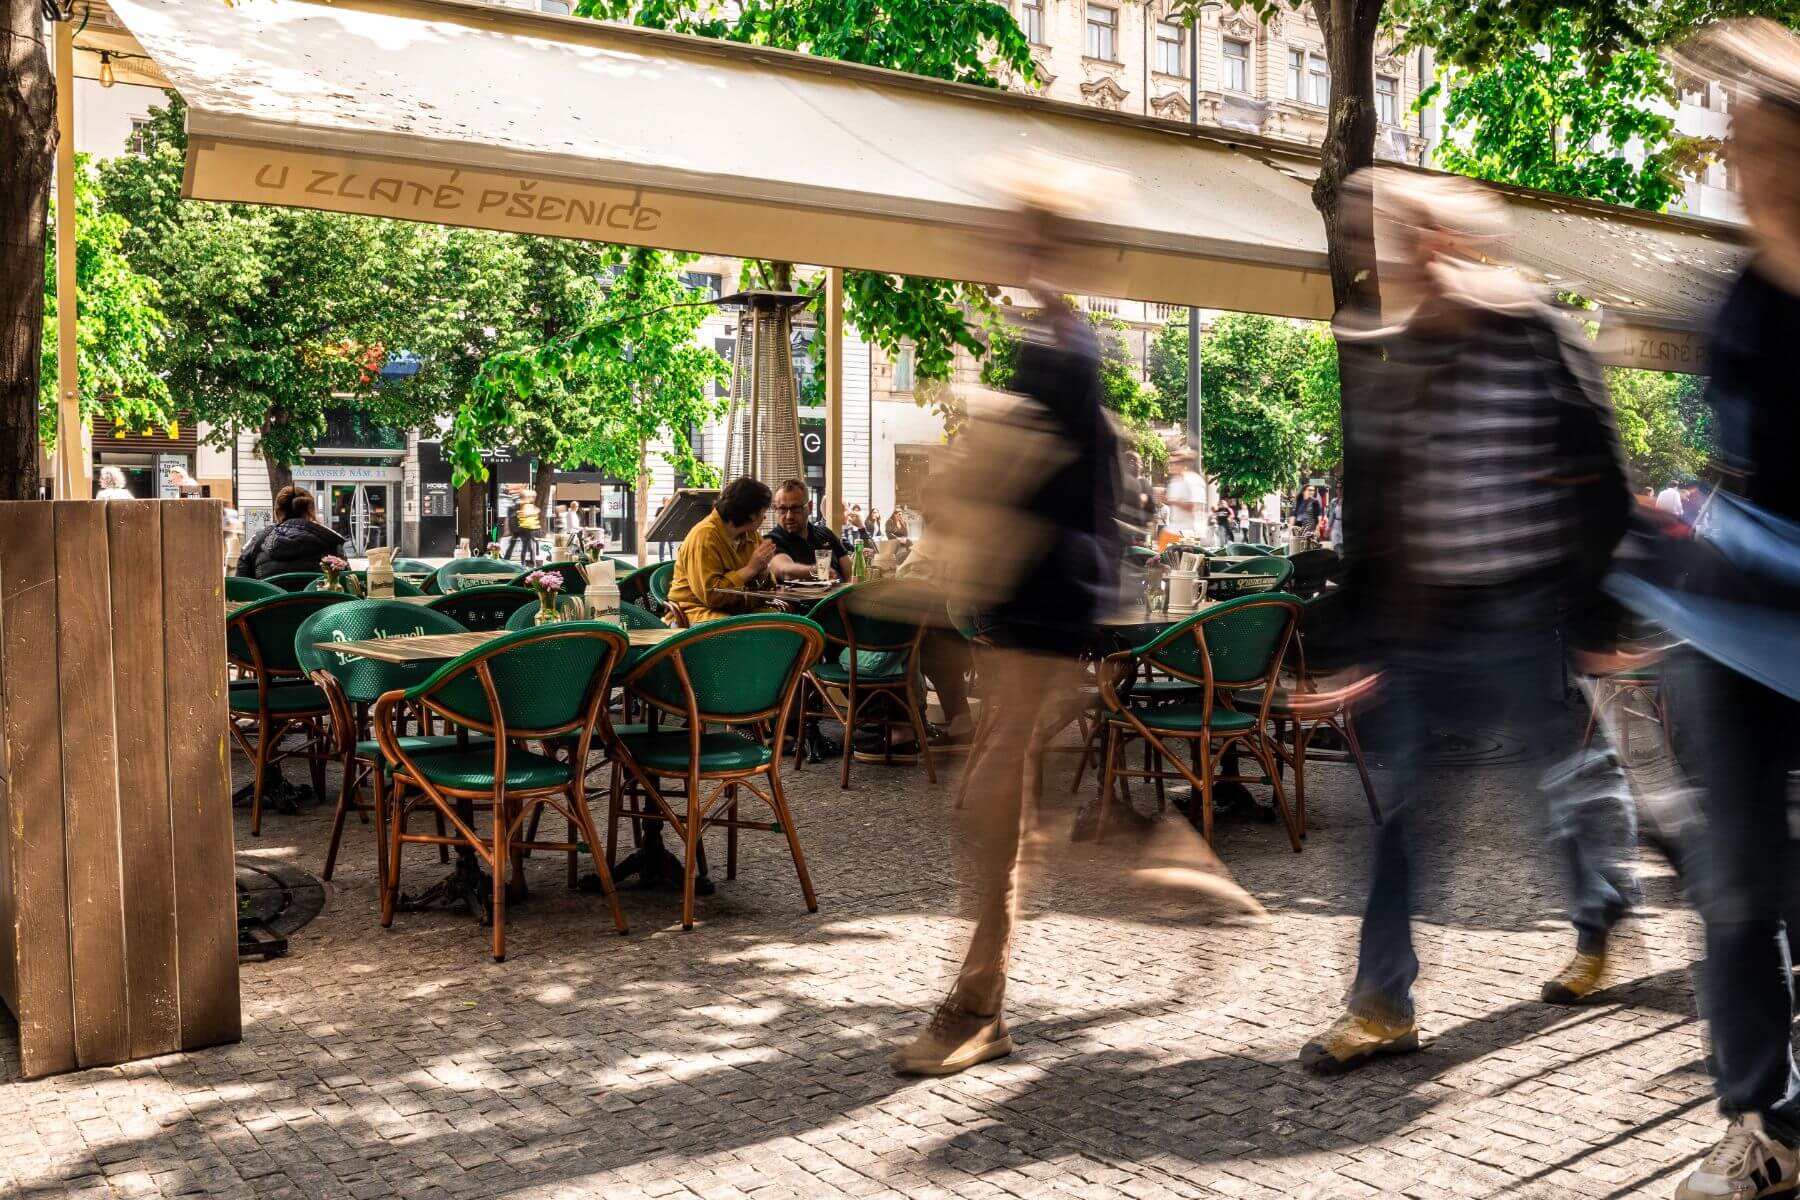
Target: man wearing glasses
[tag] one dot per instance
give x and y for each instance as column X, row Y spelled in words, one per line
column 799, row 540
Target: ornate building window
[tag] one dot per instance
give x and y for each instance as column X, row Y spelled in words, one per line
column 1237, row 65
column 1296, row 75
column 1103, row 32
column 1318, row 80
column 1387, row 99
column 1171, row 48
column 1031, row 21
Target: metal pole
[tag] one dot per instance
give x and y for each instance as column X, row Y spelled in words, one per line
column 1193, row 381
column 834, row 398
column 72, row 473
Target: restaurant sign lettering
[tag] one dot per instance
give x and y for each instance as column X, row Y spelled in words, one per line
column 422, row 192
column 1654, row 348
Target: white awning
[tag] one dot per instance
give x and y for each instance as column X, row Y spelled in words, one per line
column 474, row 114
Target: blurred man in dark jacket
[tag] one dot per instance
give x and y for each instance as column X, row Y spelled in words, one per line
column 1485, row 489
column 1744, row 745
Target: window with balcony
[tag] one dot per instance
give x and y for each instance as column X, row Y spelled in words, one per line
column 1103, row 32
column 1387, row 99
column 1237, row 65
column 1171, row 48
column 1031, row 21
column 1296, row 75
column 1318, row 80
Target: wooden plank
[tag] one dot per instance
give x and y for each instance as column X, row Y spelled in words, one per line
column 37, row 921
column 199, row 774
column 134, row 560
column 90, row 785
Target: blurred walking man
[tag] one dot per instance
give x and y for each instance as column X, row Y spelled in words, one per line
column 1490, row 491
column 1744, row 741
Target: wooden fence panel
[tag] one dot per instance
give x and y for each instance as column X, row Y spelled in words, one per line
column 117, row 906
column 38, row 901
column 134, row 560
column 199, row 775
column 90, row 783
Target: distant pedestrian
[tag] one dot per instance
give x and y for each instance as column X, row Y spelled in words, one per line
column 295, row 543
column 112, row 485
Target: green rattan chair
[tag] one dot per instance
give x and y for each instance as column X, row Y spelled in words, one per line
column 295, row 581
column 1222, row 586
column 657, row 586
column 738, row 673
column 484, row 608
column 401, row 586
column 272, row 697
column 242, row 588
column 414, row 566
column 1237, row 644
column 871, row 659
column 448, row 574
column 351, row 684
column 542, row 684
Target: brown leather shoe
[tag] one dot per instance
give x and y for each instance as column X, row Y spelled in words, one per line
column 955, row 1040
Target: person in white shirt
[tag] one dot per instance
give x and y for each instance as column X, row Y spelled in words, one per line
column 112, row 485
column 1186, row 497
column 1669, row 499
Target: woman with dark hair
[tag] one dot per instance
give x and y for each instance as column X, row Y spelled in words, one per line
column 1307, row 509
column 296, row 542
column 723, row 551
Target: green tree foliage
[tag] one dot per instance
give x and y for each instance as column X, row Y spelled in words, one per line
column 1551, row 116
column 1269, row 391
column 626, row 373
column 275, row 314
column 1121, row 390
column 1660, row 423
column 966, row 41
column 119, row 325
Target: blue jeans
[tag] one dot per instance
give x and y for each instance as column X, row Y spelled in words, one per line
column 1459, row 681
column 1743, row 748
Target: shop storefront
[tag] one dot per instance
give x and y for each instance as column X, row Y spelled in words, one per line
column 155, row 465
column 359, row 500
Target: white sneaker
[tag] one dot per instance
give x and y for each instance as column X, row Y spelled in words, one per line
column 1746, row 1165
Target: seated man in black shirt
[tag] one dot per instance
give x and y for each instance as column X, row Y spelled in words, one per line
column 799, row 540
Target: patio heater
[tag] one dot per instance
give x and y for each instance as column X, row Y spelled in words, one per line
column 762, row 425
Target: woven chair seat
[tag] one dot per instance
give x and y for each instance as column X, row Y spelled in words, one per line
column 1188, row 718
column 473, row 769
column 894, row 673
column 287, row 698
column 415, row 744
column 668, row 751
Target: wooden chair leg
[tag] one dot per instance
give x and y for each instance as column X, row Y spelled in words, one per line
column 1153, row 763
column 378, row 793
column 1348, row 729
column 1090, row 733
column 346, row 789
column 918, row 724
column 850, row 706
column 1109, row 766
column 390, row 896
column 1300, row 740
column 574, row 828
column 578, row 805
column 691, row 837
column 262, row 769
column 1203, row 751
column 731, row 831
column 785, row 815
column 502, row 856
column 613, row 804
column 315, row 759
column 1265, row 756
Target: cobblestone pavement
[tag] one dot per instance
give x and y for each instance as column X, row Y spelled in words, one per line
column 747, row 1058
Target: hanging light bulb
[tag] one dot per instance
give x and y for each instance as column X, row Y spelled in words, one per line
column 106, row 71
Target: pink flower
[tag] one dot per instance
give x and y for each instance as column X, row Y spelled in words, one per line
column 332, row 562
column 545, row 581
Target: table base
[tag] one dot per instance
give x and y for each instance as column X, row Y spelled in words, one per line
column 468, row 889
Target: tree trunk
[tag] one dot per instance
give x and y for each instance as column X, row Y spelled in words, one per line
column 640, row 496
column 1349, row 27
column 28, row 150
column 545, row 486
column 471, row 513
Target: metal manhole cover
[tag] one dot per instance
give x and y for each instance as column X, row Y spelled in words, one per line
column 1475, row 748
column 274, row 900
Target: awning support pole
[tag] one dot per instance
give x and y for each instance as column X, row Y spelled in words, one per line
column 72, row 481
column 834, row 398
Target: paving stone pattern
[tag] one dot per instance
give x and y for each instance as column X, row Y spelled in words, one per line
column 748, row 1057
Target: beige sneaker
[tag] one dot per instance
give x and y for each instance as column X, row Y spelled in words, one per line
column 955, row 1040
column 1746, row 1165
column 1353, row 1040
column 1580, row 978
